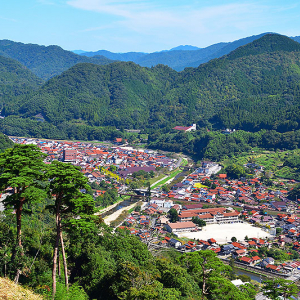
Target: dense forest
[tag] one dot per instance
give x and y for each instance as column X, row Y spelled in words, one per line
column 54, row 244
column 217, row 146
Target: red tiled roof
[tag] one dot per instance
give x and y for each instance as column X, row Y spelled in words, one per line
column 246, row 259
column 256, row 257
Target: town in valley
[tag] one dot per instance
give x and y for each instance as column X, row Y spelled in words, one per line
column 189, row 207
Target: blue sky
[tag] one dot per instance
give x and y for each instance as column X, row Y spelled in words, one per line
column 143, row 25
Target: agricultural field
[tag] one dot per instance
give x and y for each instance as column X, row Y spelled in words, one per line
column 279, row 164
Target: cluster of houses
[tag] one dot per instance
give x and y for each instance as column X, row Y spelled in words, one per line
column 243, row 252
column 91, row 156
column 247, row 194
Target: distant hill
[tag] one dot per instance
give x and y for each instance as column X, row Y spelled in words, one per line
column 296, row 38
column 129, row 56
column 180, row 57
column 177, row 59
column 78, row 51
column 185, row 47
column 255, row 86
column 45, row 62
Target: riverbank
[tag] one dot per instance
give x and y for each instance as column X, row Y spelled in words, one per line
column 259, row 273
column 105, row 209
column 108, row 219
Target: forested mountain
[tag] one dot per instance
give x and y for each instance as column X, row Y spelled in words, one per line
column 254, row 87
column 119, row 94
column 261, row 79
column 45, row 62
column 15, row 79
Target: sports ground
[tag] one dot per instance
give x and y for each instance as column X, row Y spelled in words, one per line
column 224, row 232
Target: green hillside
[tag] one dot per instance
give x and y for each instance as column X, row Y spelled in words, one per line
column 119, row 94
column 257, row 75
column 15, row 80
column 45, row 62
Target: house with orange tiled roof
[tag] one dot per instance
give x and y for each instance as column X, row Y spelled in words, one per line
column 246, row 260
column 252, row 243
column 273, row 268
column 255, row 260
column 239, row 253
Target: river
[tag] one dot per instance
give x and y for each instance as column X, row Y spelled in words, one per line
column 253, row 276
column 120, row 205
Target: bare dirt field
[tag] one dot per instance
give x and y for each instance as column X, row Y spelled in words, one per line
column 224, row 232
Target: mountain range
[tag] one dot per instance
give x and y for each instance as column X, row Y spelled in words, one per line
column 47, row 62
column 179, row 57
column 256, row 86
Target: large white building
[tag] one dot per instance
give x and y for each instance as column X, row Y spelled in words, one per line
column 162, row 203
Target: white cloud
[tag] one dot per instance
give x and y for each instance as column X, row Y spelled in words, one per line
column 141, row 15
column 123, row 8
column 159, row 21
column 8, row 19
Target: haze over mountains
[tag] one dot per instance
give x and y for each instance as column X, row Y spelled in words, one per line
column 179, row 57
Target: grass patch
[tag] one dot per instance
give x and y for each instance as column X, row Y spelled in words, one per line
column 172, row 175
column 184, row 162
column 11, row 291
column 159, row 177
